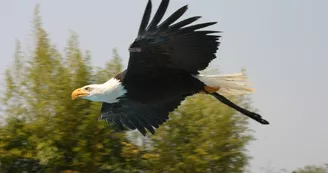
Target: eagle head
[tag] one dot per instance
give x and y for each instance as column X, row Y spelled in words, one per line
column 88, row 92
column 108, row 92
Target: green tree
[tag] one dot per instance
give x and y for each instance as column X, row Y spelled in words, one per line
column 312, row 169
column 202, row 135
column 111, row 68
column 45, row 130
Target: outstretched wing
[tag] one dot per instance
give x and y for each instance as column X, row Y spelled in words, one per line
column 135, row 115
column 164, row 46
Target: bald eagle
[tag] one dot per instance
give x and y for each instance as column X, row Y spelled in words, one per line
column 163, row 69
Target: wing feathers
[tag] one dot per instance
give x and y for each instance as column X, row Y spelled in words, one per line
column 147, row 125
column 195, row 27
column 175, row 16
column 135, row 115
column 138, row 124
column 158, row 15
column 184, row 23
column 172, row 45
column 145, row 18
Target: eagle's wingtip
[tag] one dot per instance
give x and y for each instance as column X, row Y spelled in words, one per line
column 265, row 122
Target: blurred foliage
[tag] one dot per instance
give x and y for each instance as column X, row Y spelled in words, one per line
column 45, row 131
column 312, row 169
column 202, row 136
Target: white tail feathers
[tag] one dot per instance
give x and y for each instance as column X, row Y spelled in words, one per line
column 229, row 84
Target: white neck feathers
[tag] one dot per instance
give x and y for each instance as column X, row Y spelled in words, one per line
column 113, row 89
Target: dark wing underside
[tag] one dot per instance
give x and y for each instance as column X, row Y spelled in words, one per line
column 135, row 115
column 169, row 45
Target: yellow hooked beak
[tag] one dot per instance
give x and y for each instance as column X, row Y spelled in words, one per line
column 78, row 93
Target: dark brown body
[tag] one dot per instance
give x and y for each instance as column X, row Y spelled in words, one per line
column 170, row 85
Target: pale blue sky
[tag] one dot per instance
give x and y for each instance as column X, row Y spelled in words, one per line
column 281, row 43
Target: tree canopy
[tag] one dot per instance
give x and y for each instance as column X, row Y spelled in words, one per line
column 312, row 169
